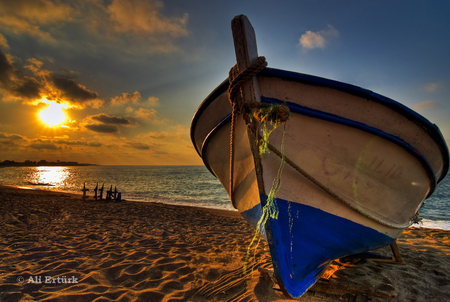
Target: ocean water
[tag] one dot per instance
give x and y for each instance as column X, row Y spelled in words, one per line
column 182, row 185
column 185, row 185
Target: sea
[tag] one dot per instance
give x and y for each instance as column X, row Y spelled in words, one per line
column 177, row 185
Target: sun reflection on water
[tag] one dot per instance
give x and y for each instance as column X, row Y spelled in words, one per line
column 55, row 177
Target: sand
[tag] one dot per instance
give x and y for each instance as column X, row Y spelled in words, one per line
column 136, row 251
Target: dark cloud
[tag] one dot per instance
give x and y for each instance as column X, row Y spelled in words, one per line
column 12, row 82
column 77, row 143
column 66, row 142
column 4, row 135
column 111, row 120
column 55, row 87
column 6, row 69
column 139, row 146
column 29, row 88
column 102, row 128
column 73, row 90
column 44, row 146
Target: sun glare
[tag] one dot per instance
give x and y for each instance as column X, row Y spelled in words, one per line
column 53, row 114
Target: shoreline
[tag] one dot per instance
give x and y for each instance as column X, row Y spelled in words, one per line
column 142, row 251
column 427, row 224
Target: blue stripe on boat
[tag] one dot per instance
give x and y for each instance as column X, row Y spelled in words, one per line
column 306, row 239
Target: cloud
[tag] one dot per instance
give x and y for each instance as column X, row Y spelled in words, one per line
column 104, row 123
column 145, row 114
column 102, row 128
column 3, row 42
column 45, row 146
column 32, row 16
column 426, row 105
column 6, row 69
column 135, row 98
column 4, row 135
column 94, row 144
column 127, row 98
column 177, row 136
column 320, row 39
column 14, row 84
column 72, row 90
column 76, row 143
column 111, row 120
column 153, row 101
column 46, row 84
column 122, row 24
column 144, row 18
column 139, row 146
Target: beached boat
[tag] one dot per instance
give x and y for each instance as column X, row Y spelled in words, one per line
column 354, row 166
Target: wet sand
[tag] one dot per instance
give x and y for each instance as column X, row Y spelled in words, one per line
column 136, row 251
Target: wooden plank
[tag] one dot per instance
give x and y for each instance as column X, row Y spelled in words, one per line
column 246, row 51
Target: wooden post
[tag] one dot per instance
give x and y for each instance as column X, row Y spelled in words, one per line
column 101, row 192
column 396, row 252
column 246, row 51
column 109, row 193
column 84, row 191
column 95, row 190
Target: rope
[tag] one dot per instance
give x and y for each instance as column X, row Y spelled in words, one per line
column 237, row 104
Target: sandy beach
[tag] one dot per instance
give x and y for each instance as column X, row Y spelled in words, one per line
column 56, row 247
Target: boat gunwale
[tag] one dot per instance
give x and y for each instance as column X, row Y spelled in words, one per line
column 411, row 115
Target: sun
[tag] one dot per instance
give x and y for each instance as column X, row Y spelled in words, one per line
column 53, row 114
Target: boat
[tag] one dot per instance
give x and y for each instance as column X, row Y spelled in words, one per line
column 344, row 172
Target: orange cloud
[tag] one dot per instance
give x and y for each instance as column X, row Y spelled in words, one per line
column 3, row 42
column 127, row 98
column 153, row 101
column 134, row 98
column 144, row 18
column 141, row 23
column 145, row 114
column 29, row 16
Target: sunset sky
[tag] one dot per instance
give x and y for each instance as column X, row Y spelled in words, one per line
column 130, row 74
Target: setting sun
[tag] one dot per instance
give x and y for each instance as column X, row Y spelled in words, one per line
column 53, row 114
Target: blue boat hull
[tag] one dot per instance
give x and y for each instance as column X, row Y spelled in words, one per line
column 305, row 239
